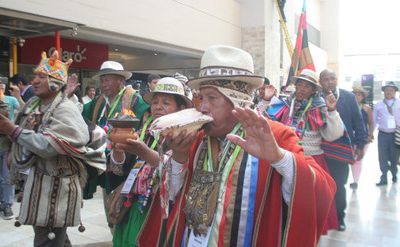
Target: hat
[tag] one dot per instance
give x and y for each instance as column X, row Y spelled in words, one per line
column 181, row 78
column 53, row 67
column 168, row 85
column 307, row 75
column 390, row 84
column 360, row 89
column 112, row 68
column 231, row 71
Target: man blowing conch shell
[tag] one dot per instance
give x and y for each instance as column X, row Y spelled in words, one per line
column 249, row 183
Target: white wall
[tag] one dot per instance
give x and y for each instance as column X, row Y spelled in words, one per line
column 330, row 32
column 252, row 13
column 272, row 43
column 186, row 23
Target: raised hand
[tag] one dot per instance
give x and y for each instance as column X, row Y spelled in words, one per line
column 269, row 92
column 331, row 102
column 259, row 140
column 14, row 91
column 72, row 84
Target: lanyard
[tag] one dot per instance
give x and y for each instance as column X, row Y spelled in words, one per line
column 33, row 106
column 301, row 119
column 305, row 110
column 115, row 103
column 208, row 162
column 143, row 132
column 389, row 108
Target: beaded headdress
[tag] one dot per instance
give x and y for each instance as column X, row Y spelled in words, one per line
column 53, row 67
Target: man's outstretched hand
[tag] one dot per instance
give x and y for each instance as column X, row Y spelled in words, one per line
column 259, row 140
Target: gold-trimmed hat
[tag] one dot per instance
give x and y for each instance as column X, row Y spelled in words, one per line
column 168, row 85
column 54, row 67
column 231, row 71
column 360, row 89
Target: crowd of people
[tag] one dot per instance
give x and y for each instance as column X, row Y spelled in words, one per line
column 253, row 176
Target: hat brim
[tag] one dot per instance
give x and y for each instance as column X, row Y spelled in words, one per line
column 123, row 73
column 147, row 97
column 254, row 81
column 361, row 91
column 295, row 78
column 395, row 87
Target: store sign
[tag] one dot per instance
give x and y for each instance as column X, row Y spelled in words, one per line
column 78, row 55
column 86, row 55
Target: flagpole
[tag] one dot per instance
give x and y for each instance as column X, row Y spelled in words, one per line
column 288, row 41
column 301, row 58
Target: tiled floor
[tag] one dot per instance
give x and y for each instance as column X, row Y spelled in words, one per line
column 96, row 234
column 373, row 217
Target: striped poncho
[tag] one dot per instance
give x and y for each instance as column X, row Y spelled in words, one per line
column 252, row 211
column 311, row 121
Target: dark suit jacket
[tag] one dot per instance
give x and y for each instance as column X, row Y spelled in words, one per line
column 28, row 94
column 351, row 116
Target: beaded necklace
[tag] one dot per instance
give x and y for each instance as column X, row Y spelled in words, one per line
column 301, row 126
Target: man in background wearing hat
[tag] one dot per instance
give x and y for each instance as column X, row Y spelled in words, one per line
column 49, row 137
column 250, row 183
column 387, row 117
column 114, row 100
column 313, row 119
column 351, row 116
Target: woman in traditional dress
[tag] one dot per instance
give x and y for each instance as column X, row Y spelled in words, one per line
column 168, row 97
column 312, row 119
column 367, row 115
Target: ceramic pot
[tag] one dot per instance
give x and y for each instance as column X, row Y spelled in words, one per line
column 119, row 135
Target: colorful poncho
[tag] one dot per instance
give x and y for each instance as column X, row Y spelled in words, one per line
column 310, row 116
column 253, row 212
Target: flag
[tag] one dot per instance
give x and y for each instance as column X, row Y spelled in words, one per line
column 281, row 4
column 301, row 58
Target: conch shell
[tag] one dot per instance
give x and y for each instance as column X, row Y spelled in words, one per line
column 189, row 119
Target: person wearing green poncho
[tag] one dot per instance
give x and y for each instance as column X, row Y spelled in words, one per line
column 168, row 97
column 114, row 100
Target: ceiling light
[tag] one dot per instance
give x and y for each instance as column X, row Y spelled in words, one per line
column 155, row 54
column 116, row 49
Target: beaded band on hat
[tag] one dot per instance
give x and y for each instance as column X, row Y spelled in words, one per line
column 225, row 71
column 160, row 88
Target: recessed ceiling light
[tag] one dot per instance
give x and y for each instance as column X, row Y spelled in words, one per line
column 155, row 54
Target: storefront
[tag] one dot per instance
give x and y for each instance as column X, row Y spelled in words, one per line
column 87, row 56
column 24, row 35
